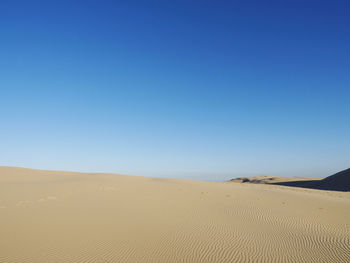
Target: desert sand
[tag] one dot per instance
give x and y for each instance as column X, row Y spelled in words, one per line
column 49, row 216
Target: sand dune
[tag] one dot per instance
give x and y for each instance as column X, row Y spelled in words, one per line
column 336, row 182
column 49, row 216
column 265, row 179
column 339, row 181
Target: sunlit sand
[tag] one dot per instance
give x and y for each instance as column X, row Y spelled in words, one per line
column 49, row 216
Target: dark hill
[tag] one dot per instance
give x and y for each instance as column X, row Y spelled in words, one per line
column 339, row 181
column 336, row 182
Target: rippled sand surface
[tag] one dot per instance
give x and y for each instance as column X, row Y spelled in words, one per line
column 48, row 216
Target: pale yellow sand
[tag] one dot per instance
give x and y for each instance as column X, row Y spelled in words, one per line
column 73, row 217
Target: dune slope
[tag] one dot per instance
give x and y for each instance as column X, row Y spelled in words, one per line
column 339, row 181
column 48, row 216
column 336, row 182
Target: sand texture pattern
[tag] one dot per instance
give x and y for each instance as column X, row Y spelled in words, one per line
column 48, row 216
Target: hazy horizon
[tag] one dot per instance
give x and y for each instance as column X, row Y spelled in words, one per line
column 187, row 89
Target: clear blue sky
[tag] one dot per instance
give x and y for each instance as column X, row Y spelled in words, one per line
column 200, row 89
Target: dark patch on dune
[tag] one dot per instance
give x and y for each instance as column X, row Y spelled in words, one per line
column 242, row 180
column 336, row 182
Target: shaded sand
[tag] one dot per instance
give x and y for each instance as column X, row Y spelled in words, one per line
column 336, row 182
column 49, row 216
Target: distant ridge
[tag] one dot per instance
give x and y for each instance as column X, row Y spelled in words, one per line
column 336, row 182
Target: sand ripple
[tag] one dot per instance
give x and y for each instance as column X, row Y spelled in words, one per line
column 111, row 218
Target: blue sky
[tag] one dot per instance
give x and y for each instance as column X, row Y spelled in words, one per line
column 196, row 89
